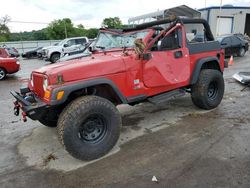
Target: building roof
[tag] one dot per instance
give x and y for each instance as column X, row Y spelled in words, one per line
column 223, row 7
column 182, row 10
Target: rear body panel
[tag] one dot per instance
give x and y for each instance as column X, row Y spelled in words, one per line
column 9, row 64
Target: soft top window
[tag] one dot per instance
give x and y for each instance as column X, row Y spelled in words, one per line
column 195, row 32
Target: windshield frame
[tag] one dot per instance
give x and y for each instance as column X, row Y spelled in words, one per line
column 147, row 31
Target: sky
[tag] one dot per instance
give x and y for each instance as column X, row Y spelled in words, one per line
column 90, row 13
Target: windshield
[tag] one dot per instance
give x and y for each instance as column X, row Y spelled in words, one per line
column 61, row 43
column 110, row 40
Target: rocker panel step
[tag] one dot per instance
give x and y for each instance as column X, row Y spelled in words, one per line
column 167, row 96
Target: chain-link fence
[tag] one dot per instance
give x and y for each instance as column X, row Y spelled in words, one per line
column 24, row 46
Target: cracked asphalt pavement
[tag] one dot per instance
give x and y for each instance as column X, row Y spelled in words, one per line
column 179, row 144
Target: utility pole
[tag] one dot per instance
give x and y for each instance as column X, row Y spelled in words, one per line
column 65, row 29
column 218, row 23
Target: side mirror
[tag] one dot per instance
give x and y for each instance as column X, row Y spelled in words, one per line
column 91, row 49
column 224, row 43
column 65, row 45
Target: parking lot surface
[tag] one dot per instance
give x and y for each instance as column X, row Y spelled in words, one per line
column 179, row 144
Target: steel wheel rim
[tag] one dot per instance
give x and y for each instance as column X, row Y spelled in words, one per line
column 212, row 90
column 93, row 129
column 2, row 74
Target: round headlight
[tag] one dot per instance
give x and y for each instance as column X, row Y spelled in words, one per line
column 45, row 84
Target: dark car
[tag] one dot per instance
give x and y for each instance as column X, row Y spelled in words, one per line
column 244, row 37
column 32, row 53
column 12, row 51
column 233, row 45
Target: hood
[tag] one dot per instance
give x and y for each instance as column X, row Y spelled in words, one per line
column 87, row 67
column 75, row 56
column 47, row 47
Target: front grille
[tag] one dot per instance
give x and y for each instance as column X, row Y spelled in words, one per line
column 43, row 53
column 38, row 84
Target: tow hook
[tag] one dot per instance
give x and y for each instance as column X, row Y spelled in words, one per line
column 17, row 111
column 16, row 108
column 24, row 116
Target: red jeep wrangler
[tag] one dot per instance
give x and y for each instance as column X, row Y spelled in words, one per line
column 144, row 63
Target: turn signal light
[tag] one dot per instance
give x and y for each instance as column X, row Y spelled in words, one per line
column 47, row 94
column 59, row 95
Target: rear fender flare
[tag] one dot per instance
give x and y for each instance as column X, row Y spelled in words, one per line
column 198, row 67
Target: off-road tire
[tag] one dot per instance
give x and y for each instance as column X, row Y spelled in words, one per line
column 86, row 114
column 208, row 92
column 54, row 57
column 241, row 52
column 2, row 73
column 48, row 123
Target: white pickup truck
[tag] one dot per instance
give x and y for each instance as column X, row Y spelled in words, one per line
column 53, row 53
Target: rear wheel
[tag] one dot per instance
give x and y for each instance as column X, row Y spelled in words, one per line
column 89, row 127
column 2, row 73
column 208, row 92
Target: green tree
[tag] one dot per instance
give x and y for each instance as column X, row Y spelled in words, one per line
column 55, row 30
column 26, row 36
column 92, row 33
column 39, row 35
column 4, row 30
column 112, row 23
column 60, row 29
column 80, row 31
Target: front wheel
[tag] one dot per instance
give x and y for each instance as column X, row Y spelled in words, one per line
column 54, row 57
column 2, row 74
column 89, row 127
column 208, row 92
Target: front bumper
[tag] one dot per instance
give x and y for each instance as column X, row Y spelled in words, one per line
column 35, row 109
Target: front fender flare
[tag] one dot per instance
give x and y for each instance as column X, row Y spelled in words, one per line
column 81, row 85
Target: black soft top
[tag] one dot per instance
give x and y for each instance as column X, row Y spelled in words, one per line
column 173, row 20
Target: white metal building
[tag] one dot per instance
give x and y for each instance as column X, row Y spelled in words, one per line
column 182, row 10
column 227, row 19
